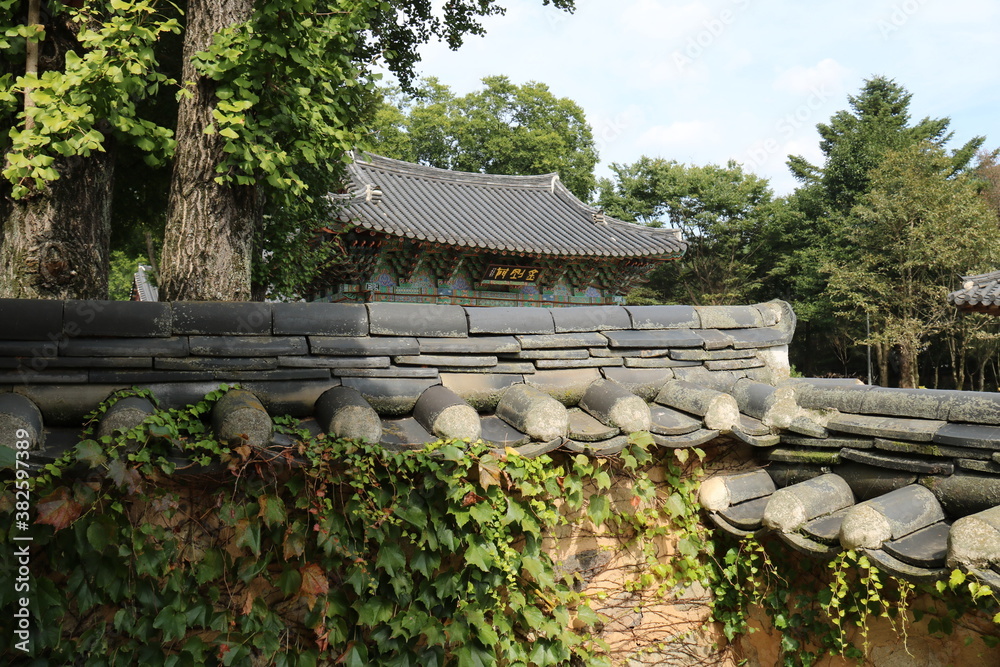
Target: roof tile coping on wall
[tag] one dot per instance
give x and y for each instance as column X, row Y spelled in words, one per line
column 39, row 319
column 65, row 357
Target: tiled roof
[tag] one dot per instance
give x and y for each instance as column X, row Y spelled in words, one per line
column 978, row 293
column 911, row 477
column 531, row 215
column 143, row 288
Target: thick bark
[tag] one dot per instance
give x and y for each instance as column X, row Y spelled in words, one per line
column 882, row 359
column 208, row 241
column 908, row 366
column 55, row 242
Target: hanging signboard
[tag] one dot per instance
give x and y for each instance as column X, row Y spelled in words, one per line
column 499, row 274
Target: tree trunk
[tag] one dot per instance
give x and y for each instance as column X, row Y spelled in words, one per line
column 208, row 242
column 55, row 242
column 882, row 358
column 907, row 367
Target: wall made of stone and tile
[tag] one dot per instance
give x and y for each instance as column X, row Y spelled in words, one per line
column 68, row 356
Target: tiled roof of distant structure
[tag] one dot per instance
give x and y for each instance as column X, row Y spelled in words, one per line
column 143, row 289
column 529, row 215
column 979, row 293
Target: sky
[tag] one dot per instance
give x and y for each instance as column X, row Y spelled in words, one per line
column 706, row 81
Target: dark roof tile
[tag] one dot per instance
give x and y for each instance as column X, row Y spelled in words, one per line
column 534, row 215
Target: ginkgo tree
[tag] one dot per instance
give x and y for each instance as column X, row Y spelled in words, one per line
column 272, row 95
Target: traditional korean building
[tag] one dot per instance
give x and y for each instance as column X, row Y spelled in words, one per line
column 426, row 235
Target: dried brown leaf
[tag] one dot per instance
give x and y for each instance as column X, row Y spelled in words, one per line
column 58, row 509
column 314, row 583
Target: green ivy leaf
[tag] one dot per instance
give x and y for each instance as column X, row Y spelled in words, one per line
column 425, row 562
column 290, row 580
column 101, row 533
column 391, row 559
column 375, row 610
column 272, row 510
column 8, row 457
column 472, row 655
column 356, row 655
column 248, row 535
column 411, row 514
column 477, row 555
column 587, row 615
column 90, row 452
column 210, row 567
column 599, row 509
column 172, row 622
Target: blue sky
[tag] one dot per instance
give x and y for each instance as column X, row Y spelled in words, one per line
column 705, row 81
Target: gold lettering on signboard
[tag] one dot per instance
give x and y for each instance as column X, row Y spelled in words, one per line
column 509, row 275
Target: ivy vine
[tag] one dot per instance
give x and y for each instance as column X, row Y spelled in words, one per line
column 161, row 545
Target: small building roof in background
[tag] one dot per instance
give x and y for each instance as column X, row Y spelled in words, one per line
column 530, row 215
column 980, row 293
column 143, row 288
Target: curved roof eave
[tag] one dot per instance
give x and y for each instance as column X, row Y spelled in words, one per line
column 524, row 214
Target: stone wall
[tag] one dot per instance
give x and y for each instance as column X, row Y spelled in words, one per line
column 542, row 380
column 66, row 357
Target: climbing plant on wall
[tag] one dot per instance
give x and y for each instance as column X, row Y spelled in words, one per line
column 163, row 546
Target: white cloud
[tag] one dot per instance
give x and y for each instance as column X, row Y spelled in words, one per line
column 828, row 74
column 662, row 21
column 760, row 82
column 679, row 138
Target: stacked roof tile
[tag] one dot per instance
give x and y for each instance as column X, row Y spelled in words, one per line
column 893, row 472
column 531, row 215
column 980, row 293
column 912, row 477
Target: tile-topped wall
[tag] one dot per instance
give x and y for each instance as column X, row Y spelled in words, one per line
column 67, row 356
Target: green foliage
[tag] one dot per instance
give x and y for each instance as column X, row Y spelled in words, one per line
column 121, row 274
column 291, row 91
column 821, row 613
column 502, row 129
column 855, row 142
column 330, row 551
column 727, row 217
column 162, row 546
column 831, row 229
column 915, row 229
column 110, row 65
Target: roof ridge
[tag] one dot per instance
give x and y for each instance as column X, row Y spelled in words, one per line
column 527, row 214
column 536, row 181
